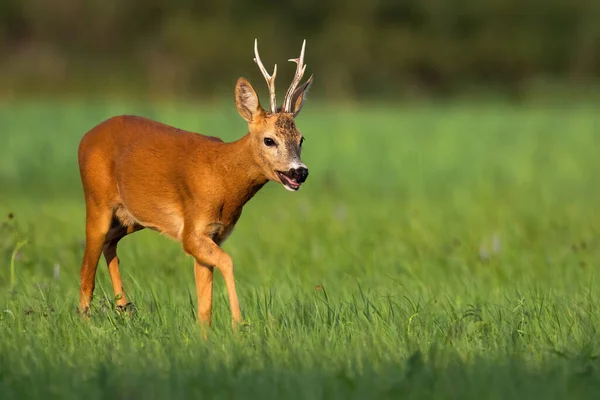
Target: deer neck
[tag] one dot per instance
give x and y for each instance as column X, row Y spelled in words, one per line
column 245, row 177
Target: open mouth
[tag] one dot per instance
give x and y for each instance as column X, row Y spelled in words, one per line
column 288, row 183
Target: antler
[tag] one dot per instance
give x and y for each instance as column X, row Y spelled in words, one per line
column 270, row 79
column 287, row 101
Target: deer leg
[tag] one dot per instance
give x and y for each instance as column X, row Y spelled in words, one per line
column 115, row 234
column 208, row 254
column 97, row 226
column 204, row 292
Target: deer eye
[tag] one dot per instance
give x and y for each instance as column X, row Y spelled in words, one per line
column 301, row 141
column 269, row 142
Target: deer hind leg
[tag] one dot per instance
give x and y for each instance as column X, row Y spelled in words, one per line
column 208, row 255
column 117, row 232
column 97, row 226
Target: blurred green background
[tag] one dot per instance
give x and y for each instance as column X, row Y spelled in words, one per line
column 445, row 245
column 380, row 49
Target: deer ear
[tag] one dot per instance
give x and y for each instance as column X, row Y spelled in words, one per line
column 300, row 95
column 246, row 100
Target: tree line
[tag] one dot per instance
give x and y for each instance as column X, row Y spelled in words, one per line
column 354, row 48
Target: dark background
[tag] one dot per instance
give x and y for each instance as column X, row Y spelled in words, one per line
column 376, row 49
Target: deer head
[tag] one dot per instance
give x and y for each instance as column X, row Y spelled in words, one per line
column 276, row 142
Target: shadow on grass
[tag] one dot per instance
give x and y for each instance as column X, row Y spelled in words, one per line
column 432, row 376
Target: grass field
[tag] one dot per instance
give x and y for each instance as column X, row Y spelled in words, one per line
column 436, row 251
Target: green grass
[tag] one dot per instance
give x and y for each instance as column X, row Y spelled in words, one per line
column 436, row 251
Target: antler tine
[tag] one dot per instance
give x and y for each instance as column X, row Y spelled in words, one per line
column 270, row 79
column 300, row 68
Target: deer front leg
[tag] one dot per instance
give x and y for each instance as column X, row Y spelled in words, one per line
column 204, row 291
column 208, row 255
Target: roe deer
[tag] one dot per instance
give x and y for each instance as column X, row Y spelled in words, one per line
column 138, row 173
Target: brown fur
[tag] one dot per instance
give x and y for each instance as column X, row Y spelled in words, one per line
column 138, row 173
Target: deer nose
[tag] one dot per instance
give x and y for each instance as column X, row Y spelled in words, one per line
column 299, row 174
